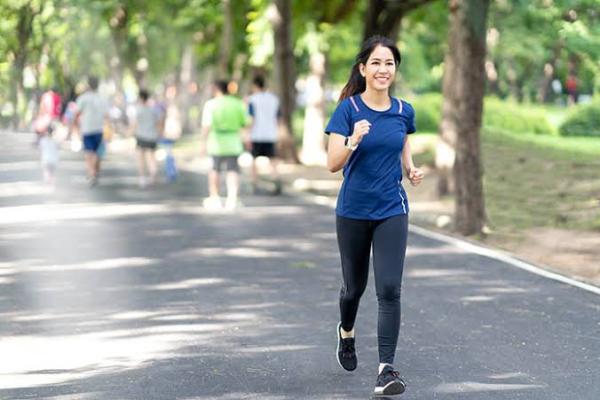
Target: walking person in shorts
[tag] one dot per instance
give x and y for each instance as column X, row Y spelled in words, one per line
column 146, row 127
column 223, row 121
column 368, row 138
column 263, row 107
column 92, row 111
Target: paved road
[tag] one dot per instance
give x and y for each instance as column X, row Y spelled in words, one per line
column 122, row 293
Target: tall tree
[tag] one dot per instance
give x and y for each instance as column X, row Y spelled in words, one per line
column 384, row 17
column 25, row 15
column 226, row 40
column 280, row 16
column 445, row 153
column 467, row 51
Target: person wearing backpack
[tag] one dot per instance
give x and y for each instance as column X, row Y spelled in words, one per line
column 368, row 138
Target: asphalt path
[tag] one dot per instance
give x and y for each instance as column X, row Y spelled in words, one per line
column 117, row 292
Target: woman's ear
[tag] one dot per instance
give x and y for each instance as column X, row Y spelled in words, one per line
column 361, row 69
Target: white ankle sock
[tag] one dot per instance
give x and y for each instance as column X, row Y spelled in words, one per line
column 346, row 335
column 382, row 366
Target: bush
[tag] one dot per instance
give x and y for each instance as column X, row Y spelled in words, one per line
column 428, row 110
column 582, row 121
column 498, row 114
column 515, row 117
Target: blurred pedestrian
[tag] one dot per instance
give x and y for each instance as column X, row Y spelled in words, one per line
column 571, row 86
column 48, row 157
column 48, row 112
column 171, row 132
column 91, row 112
column 146, row 127
column 368, row 138
column 223, row 122
column 263, row 107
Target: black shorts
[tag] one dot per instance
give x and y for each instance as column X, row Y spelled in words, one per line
column 146, row 144
column 225, row 163
column 266, row 149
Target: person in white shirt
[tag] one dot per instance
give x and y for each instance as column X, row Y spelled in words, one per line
column 146, row 126
column 92, row 111
column 263, row 107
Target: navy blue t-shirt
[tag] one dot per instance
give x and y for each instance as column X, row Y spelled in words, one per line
column 372, row 187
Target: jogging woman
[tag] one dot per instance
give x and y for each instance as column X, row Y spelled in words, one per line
column 368, row 139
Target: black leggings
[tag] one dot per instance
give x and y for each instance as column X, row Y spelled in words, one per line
column 388, row 237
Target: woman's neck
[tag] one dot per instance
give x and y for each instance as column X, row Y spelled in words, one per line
column 376, row 99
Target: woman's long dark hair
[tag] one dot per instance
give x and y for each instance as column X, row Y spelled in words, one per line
column 356, row 83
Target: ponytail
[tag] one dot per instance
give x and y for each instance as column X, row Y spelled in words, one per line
column 356, row 83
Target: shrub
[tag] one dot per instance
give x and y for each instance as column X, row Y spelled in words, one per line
column 428, row 109
column 515, row 117
column 498, row 114
column 582, row 121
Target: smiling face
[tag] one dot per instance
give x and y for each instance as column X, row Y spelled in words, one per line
column 380, row 69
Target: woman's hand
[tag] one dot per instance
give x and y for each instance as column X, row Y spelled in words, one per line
column 415, row 175
column 361, row 128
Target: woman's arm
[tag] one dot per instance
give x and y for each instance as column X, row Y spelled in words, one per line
column 337, row 153
column 414, row 174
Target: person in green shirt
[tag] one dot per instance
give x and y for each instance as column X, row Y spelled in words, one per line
column 223, row 136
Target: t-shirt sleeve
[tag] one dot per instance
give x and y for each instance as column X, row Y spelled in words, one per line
column 411, row 128
column 80, row 103
column 341, row 120
column 207, row 114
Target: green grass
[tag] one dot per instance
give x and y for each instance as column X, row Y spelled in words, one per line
column 575, row 148
column 541, row 181
column 535, row 181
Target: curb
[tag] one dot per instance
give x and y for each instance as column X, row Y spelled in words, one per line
column 463, row 244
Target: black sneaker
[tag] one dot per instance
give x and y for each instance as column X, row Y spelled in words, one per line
column 389, row 382
column 346, row 354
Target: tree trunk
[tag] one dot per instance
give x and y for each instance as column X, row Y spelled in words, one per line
column 17, row 91
column 468, row 29
column 118, row 23
column 186, row 79
column 445, row 153
column 226, row 41
column 281, row 19
column 384, row 17
column 313, row 143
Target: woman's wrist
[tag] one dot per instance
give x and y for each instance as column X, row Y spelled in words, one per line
column 350, row 144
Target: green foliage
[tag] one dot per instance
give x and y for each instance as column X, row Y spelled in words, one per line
column 561, row 175
column 504, row 115
column 428, row 108
column 582, row 121
column 515, row 117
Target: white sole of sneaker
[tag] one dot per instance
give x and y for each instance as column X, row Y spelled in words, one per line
column 337, row 347
column 391, row 389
